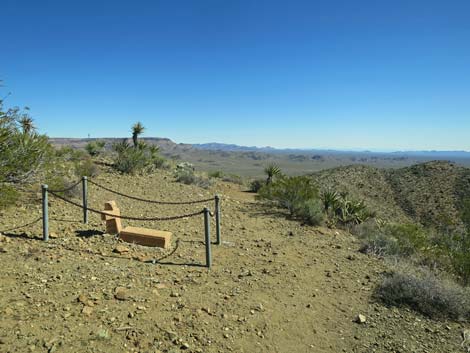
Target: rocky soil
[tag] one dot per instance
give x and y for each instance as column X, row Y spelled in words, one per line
column 275, row 285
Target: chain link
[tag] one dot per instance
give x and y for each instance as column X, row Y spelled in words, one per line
column 67, row 189
column 150, row 201
column 171, row 218
column 22, row 226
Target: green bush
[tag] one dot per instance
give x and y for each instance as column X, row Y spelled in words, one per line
column 94, row 148
column 216, row 174
column 256, row 185
column 422, row 291
column 311, row 211
column 233, row 178
column 392, row 239
column 160, row 162
column 344, row 210
column 23, row 151
column 298, row 194
column 290, row 192
column 187, row 176
column 59, row 182
column 85, row 167
column 139, row 158
column 455, row 249
column 8, row 196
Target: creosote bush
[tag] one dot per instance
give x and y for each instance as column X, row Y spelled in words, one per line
column 297, row 194
column 392, row 239
column 8, row 196
column 185, row 174
column 421, row 290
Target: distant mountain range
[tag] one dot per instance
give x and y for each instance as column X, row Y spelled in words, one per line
column 215, row 146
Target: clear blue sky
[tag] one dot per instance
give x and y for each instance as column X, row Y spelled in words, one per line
column 376, row 74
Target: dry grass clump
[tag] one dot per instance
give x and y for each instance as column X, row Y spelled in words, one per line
column 422, row 291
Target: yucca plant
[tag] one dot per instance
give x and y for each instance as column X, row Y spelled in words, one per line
column 27, row 124
column 122, row 146
column 330, row 199
column 272, row 170
column 137, row 130
column 154, row 149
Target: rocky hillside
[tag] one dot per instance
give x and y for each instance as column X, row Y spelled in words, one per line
column 435, row 193
column 275, row 285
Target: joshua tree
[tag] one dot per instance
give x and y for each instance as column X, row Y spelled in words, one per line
column 26, row 124
column 271, row 170
column 137, row 129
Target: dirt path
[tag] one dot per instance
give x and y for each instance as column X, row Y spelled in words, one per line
column 275, row 285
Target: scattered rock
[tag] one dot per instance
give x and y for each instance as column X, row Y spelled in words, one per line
column 121, row 249
column 82, row 299
column 121, row 293
column 360, row 319
column 87, row 310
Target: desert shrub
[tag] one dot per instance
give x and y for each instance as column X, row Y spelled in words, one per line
column 311, row 212
column 465, row 212
column 138, row 158
column 216, row 174
column 392, row 239
column 289, row 192
column 60, row 182
column 233, row 178
column 131, row 161
column 188, row 176
column 23, row 151
column 94, row 148
column 8, row 196
column 85, row 167
column 422, row 291
column 342, row 209
column 160, row 162
column 256, row 185
column 455, row 248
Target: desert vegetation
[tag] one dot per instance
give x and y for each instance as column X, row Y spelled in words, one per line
column 429, row 262
column 394, row 214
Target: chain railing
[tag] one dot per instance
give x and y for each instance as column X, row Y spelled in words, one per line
column 4, row 231
column 147, row 200
column 84, row 206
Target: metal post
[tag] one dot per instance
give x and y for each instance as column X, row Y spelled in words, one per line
column 207, row 231
column 45, row 214
column 217, row 219
column 85, row 199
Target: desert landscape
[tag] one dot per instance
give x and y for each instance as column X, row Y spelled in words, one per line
column 235, row 176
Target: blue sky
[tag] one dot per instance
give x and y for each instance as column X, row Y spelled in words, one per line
column 379, row 75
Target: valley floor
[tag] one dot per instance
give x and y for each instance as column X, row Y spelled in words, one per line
column 275, row 285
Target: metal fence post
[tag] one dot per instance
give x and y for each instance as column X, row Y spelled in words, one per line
column 217, row 220
column 207, row 232
column 45, row 214
column 85, row 199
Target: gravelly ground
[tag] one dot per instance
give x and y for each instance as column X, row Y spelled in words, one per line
column 275, row 285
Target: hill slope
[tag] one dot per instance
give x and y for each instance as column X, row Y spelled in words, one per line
column 275, row 285
column 434, row 193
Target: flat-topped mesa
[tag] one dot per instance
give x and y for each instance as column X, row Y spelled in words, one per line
column 137, row 235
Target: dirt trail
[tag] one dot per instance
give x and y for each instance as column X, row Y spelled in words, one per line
column 275, row 285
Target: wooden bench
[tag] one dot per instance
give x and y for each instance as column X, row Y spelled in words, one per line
column 137, row 235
